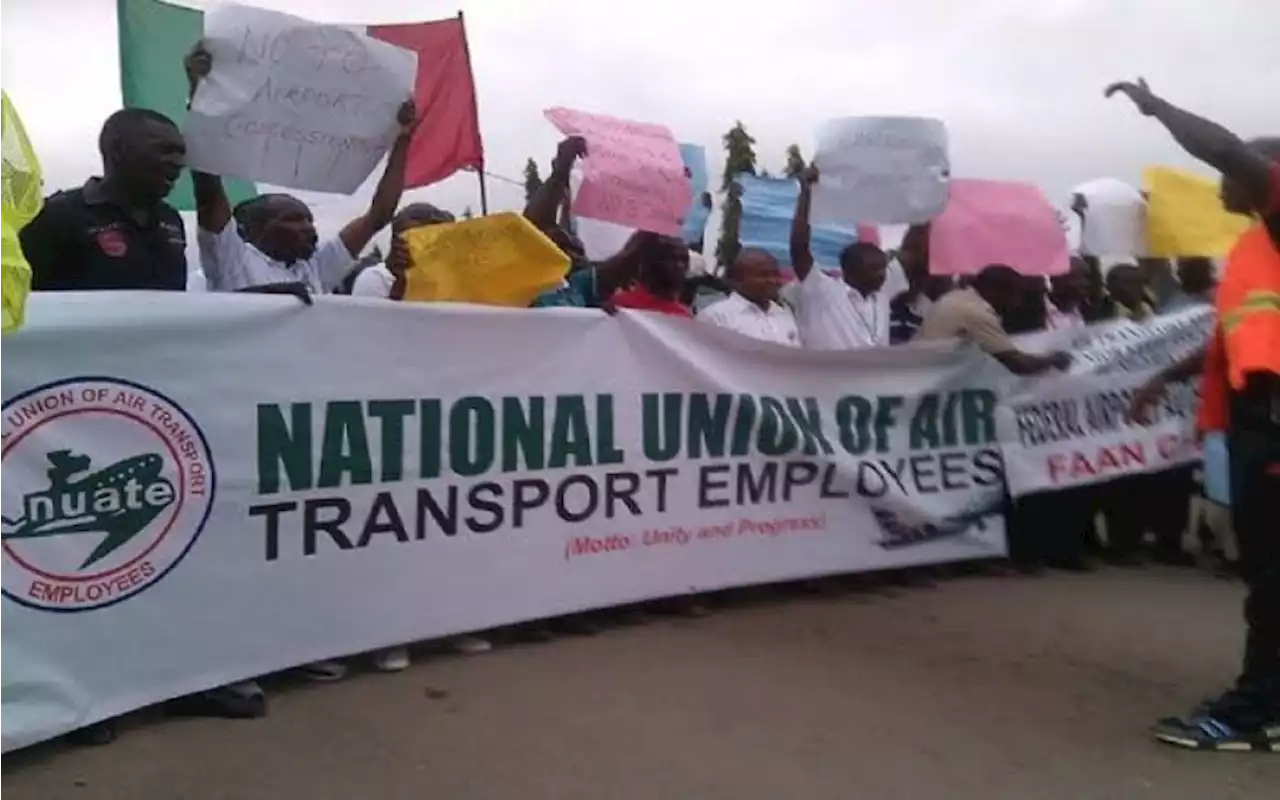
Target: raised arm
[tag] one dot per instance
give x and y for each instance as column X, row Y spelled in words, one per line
column 213, row 210
column 386, row 198
column 1206, row 140
column 801, row 255
column 554, row 191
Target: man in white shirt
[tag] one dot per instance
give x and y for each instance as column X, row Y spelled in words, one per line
column 387, row 280
column 272, row 239
column 1067, row 292
column 836, row 314
column 753, row 308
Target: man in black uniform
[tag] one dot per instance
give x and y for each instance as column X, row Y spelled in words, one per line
column 116, row 232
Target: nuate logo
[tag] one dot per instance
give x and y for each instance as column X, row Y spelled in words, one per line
column 107, row 486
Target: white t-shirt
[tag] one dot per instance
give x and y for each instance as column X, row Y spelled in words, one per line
column 835, row 316
column 373, row 281
column 230, row 263
column 1056, row 319
column 737, row 313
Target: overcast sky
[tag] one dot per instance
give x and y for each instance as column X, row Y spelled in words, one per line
column 1019, row 83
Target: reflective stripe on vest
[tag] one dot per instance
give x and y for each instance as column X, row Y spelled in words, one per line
column 1248, row 301
column 1259, row 302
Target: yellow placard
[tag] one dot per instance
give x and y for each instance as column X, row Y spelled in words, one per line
column 1185, row 215
column 498, row 260
column 21, row 196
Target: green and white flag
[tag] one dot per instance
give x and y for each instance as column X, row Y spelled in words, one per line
column 154, row 38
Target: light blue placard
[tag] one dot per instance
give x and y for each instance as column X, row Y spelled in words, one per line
column 769, row 206
column 1217, row 475
column 695, row 220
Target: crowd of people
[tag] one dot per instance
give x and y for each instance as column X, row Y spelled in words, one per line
column 117, row 232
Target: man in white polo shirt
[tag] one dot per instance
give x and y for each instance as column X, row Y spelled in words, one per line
column 272, row 239
column 847, row 313
column 386, row 280
column 753, row 308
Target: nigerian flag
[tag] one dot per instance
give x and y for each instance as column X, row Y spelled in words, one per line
column 154, row 38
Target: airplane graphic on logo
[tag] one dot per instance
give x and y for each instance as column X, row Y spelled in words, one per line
column 119, row 501
column 899, row 531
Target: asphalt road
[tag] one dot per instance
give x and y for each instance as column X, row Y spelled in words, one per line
column 977, row 688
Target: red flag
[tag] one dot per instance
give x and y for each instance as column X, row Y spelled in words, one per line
column 445, row 92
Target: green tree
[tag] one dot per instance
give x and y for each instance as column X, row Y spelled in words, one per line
column 466, row 213
column 740, row 157
column 532, row 181
column 795, row 162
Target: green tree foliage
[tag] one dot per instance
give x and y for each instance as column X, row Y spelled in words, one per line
column 740, row 157
column 532, row 180
column 795, row 162
column 466, row 213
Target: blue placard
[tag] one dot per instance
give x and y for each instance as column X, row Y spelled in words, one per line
column 1217, row 475
column 769, row 206
column 695, row 220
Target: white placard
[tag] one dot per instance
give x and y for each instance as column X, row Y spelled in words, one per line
column 1115, row 220
column 886, row 170
column 293, row 103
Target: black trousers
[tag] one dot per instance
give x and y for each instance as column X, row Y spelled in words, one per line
column 1127, row 508
column 1051, row 527
column 1255, row 517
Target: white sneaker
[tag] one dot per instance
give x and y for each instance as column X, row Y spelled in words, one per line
column 324, row 671
column 393, row 659
column 471, row 645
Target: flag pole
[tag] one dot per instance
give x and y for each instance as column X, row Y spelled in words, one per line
column 484, row 195
column 466, row 48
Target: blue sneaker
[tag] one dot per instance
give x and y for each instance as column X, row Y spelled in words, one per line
column 1204, row 731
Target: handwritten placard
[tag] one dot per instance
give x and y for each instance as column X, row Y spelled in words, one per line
column 886, row 170
column 633, row 174
column 1114, row 219
column 993, row 222
column 498, row 260
column 293, row 103
column 1185, row 216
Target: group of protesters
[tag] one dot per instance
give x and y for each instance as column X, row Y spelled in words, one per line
column 116, row 232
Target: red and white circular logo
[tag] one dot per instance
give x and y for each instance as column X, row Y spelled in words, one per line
column 107, row 486
column 113, row 242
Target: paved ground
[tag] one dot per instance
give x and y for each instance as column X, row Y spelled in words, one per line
column 978, row 688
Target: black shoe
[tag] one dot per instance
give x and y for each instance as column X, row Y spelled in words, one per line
column 1070, row 564
column 533, row 633
column 1126, row 559
column 95, row 735
column 578, row 625
column 239, row 701
column 1173, row 558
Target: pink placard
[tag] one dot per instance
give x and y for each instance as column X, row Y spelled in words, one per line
column 633, row 174
column 993, row 222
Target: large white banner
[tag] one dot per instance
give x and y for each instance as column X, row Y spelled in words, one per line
column 1073, row 429
column 204, row 488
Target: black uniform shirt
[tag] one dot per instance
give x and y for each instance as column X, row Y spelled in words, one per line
column 81, row 240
